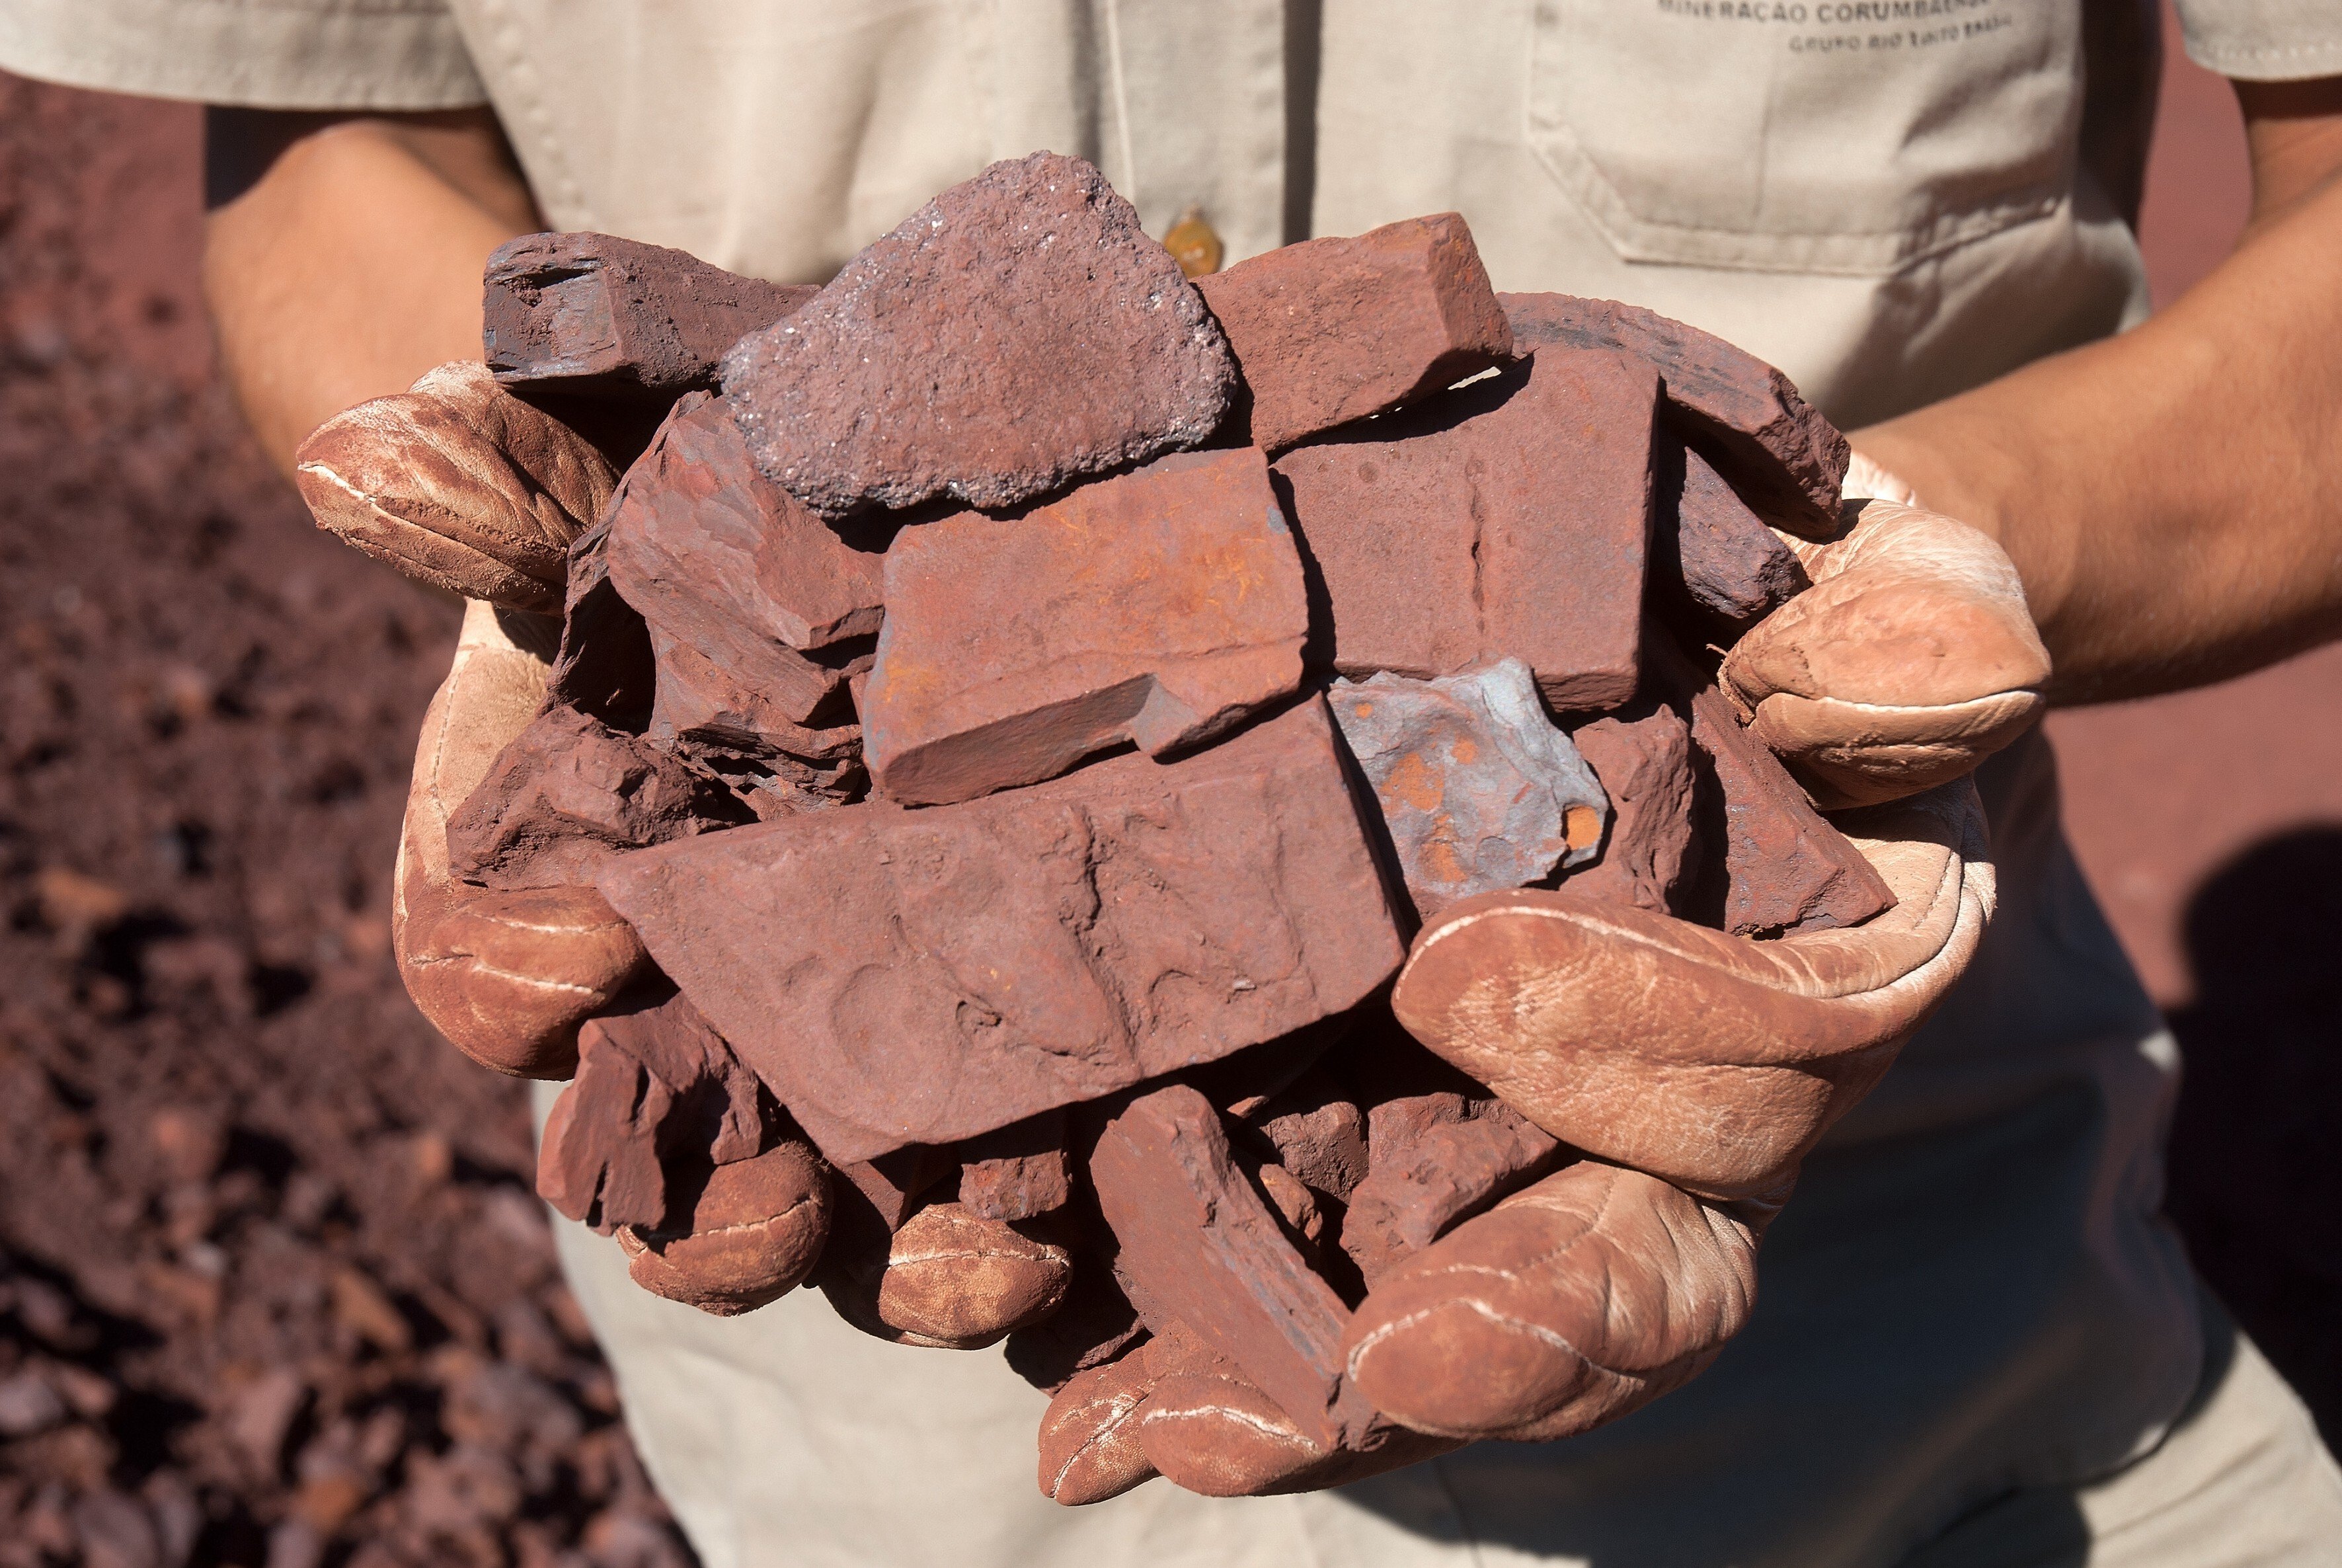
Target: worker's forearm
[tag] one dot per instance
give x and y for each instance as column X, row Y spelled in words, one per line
column 2173, row 496
column 351, row 265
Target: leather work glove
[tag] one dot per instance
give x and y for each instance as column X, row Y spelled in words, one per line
column 507, row 976
column 1694, row 1068
column 1910, row 660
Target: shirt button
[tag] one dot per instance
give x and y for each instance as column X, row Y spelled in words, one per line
column 1194, row 243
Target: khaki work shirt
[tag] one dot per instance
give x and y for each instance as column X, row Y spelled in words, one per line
column 1892, row 199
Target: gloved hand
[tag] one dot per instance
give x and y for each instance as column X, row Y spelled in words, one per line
column 509, row 976
column 1910, row 660
column 459, row 485
column 1696, row 1069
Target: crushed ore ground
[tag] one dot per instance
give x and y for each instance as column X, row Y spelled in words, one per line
column 273, row 1287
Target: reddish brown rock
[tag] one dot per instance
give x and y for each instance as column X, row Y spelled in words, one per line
column 1718, row 558
column 604, row 665
column 1510, row 518
column 1320, row 1136
column 1332, row 330
column 658, row 1091
column 1784, row 868
column 926, row 976
column 1643, row 757
column 568, row 793
column 1208, row 1251
column 702, row 712
column 607, row 317
column 1776, row 445
column 893, row 1182
column 1435, row 1159
column 715, row 555
column 1479, row 790
column 1017, row 1172
column 1016, row 333
column 1162, row 606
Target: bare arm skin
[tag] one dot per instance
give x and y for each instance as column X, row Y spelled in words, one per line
column 2173, row 496
column 342, row 254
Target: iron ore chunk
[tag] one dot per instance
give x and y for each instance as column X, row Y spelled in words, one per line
column 1162, row 606
column 1208, row 1251
column 1018, row 332
column 1776, row 445
column 1433, row 1160
column 568, row 793
column 1332, row 330
column 1728, row 569
column 1510, row 518
column 926, row 976
column 601, row 317
column 1642, row 754
column 1478, row 789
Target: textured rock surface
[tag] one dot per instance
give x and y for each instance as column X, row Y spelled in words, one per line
column 1773, row 442
column 710, row 552
column 1510, row 519
column 1017, row 1172
column 1478, row 789
column 704, row 711
column 611, row 318
column 1716, row 553
column 1018, row 332
column 1784, row 868
column 1332, row 330
column 1319, row 1133
column 604, row 665
column 567, row 793
column 1643, row 757
column 892, row 1183
column 1433, row 1160
column 1160, row 606
column 658, row 1091
column 1210, row 1253
column 971, row 965
column 458, row 483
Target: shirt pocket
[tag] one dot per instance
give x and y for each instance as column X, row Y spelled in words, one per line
column 1840, row 136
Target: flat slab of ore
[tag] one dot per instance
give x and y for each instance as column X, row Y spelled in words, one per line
column 1332, row 330
column 608, row 317
column 1732, row 571
column 566, row 794
column 1642, row 754
column 655, row 1086
column 1161, row 606
column 924, row 977
column 1017, row 333
column 604, row 665
column 1479, row 790
column 1783, row 867
column 1206, row 1251
column 1776, row 447
column 1510, row 519
column 1433, row 1160
column 703, row 546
